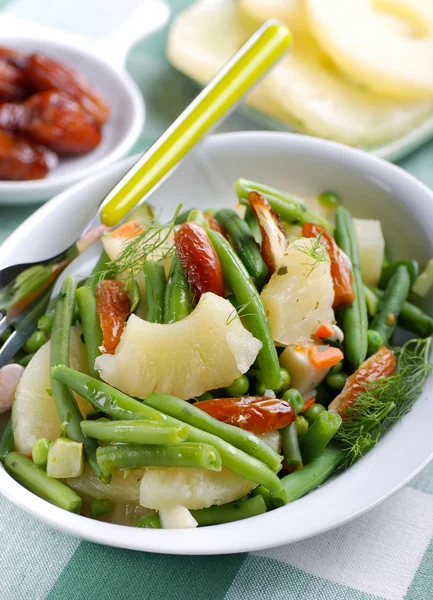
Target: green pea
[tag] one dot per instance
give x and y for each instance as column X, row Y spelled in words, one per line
column 324, row 394
column 295, row 399
column 329, row 200
column 374, row 341
column 301, row 425
column 239, row 387
column 259, row 389
column 35, row 341
column 204, row 396
column 312, row 413
column 285, row 380
column 45, row 323
column 336, row 368
column 336, row 381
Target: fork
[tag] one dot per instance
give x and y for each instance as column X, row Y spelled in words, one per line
column 25, row 289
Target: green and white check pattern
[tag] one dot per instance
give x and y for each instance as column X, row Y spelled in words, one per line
column 385, row 554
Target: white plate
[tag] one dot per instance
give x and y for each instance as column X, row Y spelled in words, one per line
column 103, row 63
column 369, row 187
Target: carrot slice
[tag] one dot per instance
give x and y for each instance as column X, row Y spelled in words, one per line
column 127, row 230
column 323, row 357
column 309, row 402
column 112, row 305
column 325, row 331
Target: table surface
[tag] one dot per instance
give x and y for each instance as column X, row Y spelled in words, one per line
column 385, row 554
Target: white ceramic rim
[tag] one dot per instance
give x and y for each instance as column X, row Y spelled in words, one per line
column 301, row 519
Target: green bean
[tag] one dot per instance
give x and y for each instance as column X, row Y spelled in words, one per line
column 40, row 452
column 103, row 397
column 239, row 387
column 135, row 432
column 69, row 413
column 236, row 276
column 37, row 481
column 251, row 221
column 391, row 304
column 134, row 297
column 149, row 522
column 337, row 381
column 90, row 322
column 227, row 513
column 313, row 412
column 177, row 299
column 260, row 490
column 99, row 271
column 388, row 270
column 244, row 440
column 243, row 242
column 318, row 435
column 411, row 317
column 34, row 342
column 292, row 454
column 328, row 200
column 300, row 482
column 183, row 216
column 301, row 425
column 375, row 341
column 154, row 274
column 355, row 318
column 7, row 443
column 24, row 360
column 295, row 398
column 233, row 458
column 196, row 216
column 134, row 456
column 100, row 507
column 291, row 209
column 120, row 406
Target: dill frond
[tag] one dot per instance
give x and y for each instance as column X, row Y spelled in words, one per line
column 385, row 401
column 238, row 312
column 153, row 241
column 317, row 251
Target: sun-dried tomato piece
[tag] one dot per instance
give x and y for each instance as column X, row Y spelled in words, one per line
column 112, row 305
column 199, row 260
column 381, row 364
column 274, row 239
column 341, row 267
column 257, row 414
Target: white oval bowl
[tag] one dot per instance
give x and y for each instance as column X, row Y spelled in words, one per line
column 119, row 134
column 369, row 187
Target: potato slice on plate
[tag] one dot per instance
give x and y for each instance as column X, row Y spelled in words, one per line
column 291, row 12
column 372, row 48
column 325, row 103
column 305, row 90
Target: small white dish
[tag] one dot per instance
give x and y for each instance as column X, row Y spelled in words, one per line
column 103, row 64
column 370, row 187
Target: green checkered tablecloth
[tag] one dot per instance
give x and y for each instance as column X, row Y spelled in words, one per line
column 385, row 554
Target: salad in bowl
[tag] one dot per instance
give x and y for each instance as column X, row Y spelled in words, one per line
column 218, row 365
